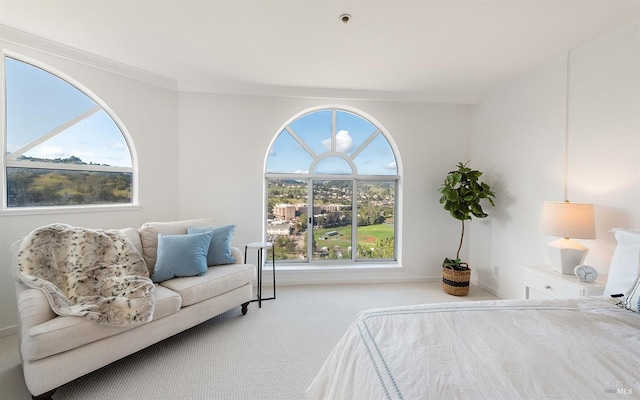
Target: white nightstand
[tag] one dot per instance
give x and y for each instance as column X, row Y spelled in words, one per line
column 542, row 282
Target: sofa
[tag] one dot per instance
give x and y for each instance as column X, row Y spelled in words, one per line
column 56, row 349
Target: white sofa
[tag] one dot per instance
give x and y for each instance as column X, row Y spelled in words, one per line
column 58, row 349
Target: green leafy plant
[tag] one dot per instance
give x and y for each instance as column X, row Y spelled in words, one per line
column 462, row 192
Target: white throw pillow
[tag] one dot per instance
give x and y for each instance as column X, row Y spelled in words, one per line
column 625, row 262
column 149, row 236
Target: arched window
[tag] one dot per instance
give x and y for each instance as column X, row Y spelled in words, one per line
column 62, row 147
column 332, row 182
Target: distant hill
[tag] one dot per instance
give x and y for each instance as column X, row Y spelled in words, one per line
column 68, row 160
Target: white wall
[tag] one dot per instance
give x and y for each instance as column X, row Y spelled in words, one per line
column 202, row 155
column 518, row 139
column 224, row 140
column 149, row 112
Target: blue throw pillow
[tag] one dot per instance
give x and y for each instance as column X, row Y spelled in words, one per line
column 181, row 255
column 220, row 249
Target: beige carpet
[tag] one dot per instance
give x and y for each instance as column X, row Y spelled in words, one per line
column 270, row 353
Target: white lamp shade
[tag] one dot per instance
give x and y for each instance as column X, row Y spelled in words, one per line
column 568, row 220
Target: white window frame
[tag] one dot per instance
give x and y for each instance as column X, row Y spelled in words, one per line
column 309, row 177
column 9, row 160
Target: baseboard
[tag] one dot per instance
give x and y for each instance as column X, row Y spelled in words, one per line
column 301, row 281
column 11, row 330
column 489, row 289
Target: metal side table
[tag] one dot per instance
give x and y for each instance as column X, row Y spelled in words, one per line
column 261, row 246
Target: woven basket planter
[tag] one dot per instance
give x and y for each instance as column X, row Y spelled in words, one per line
column 456, row 282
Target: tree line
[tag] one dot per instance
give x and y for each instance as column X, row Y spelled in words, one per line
column 33, row 187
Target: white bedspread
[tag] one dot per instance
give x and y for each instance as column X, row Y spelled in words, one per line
column 585, row 348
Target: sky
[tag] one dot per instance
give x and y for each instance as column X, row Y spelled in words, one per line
column 287, row 155
column 38, row 102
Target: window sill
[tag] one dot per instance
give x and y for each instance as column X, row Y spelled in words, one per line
column 335, row 267
column 7, row 212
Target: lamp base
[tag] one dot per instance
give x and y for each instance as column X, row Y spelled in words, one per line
column 566, row 254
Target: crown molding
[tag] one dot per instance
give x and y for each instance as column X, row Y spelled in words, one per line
column 46, row 46
column 326, row 93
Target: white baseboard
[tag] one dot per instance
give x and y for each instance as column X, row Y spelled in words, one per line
column 8, row 331
column 489, row 289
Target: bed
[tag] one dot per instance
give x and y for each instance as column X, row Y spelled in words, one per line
column 582, row 348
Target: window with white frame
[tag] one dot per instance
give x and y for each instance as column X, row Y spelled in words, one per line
column 62, row 147
column 331, row 190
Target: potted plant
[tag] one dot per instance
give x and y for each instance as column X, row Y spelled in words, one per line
column 462, row 194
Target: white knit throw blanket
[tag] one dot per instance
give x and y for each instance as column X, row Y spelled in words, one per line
column 94, row 274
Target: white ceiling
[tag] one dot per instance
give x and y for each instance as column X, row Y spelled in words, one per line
column 423, row 48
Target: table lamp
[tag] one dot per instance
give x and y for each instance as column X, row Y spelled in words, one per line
column 569, row 221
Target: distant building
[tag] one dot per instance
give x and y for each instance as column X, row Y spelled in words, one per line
column 278, row 229
column 284, row 212
column 304, row 209
column 333, row 207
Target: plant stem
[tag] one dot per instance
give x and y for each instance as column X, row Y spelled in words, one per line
column 461, row 238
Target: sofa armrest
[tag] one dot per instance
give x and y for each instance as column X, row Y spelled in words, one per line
column 238, row 255
column 33, row 307
column 33, row 310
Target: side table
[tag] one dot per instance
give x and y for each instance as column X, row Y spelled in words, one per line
column 261, row 246
column 543, row 282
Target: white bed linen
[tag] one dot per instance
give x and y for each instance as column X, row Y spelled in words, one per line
column 586, row 348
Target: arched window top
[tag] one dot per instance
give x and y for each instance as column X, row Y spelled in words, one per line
column 62, row 147
column 331, row 141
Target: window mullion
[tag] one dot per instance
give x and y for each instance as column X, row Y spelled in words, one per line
column 354, row 220
column 20, row 151
column 66, row 167
column 310, row 219
column 304, row 145
column 365, row 144
column 333, row 130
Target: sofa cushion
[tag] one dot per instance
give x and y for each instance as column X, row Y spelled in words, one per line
column 181, row 255
column 65, row 333
column 149, row 236
column 133, row 235
column 220, row 249
column 215, row 281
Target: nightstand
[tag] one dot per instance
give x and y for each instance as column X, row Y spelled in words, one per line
column 542, row 282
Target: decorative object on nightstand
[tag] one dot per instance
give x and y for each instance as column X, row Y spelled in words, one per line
column 543, row 282
column 586, row 273
column 261, row 246
column 569, row 221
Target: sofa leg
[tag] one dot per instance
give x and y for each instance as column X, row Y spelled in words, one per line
column 44, row 396
column 245, row 307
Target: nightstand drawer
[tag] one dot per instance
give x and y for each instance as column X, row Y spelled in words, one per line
column 551, row 287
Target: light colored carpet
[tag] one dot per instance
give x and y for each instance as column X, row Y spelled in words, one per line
column 270, row 353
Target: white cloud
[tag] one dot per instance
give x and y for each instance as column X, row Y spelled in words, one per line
column 344, row 142
column 391, row 165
